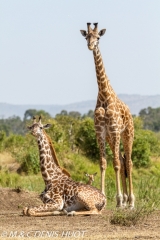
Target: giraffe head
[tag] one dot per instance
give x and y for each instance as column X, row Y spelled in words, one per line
column 92, row 35
column 90, row 177
column 37, row 128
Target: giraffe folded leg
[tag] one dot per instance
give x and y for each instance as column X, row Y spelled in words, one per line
column 85, row 213
column 47, row 209
column 30, row 212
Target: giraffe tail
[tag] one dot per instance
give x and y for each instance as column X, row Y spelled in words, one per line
column 124, row 163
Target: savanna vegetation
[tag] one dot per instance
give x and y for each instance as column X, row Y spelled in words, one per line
column 74, row 139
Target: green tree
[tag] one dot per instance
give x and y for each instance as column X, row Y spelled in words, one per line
column 63, row 113
column 151, row 118
column 56, row 131
column 86, row 140
column 12, row 125
column 89, row 114
column 74, row 114
column 30, row 113
column 70, row 126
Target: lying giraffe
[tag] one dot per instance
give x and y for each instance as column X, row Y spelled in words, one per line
column 61, row 194
column 113, row 121
column 90, row 177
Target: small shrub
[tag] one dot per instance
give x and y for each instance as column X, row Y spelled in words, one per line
column 147, row 201
column 30, row 164
column 127, row 217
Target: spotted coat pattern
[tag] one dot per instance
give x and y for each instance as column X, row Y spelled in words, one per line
column 61, row 193
column 113, row 121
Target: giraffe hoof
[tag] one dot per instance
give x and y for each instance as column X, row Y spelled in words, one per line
column 65, row 212
column 131, row 207
column 25, row 211
column 72, row 213
column 30, row 212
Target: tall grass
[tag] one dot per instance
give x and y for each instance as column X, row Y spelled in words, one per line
column 14, row 180
column 147, row 191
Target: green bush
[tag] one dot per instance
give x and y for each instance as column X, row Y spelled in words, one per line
column 86, row 140
column 56, row 132
column 141, row 150
column 145, row 144
column 30, row 164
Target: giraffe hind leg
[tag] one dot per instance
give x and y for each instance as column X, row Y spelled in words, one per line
column 123, row 179
column 88, row 202
column 127, row 144
column 84, row 213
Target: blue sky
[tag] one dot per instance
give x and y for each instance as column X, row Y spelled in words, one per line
column 45, row 60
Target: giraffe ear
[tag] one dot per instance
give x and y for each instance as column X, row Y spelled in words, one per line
column 47, row 126
column 84, row 33
column 86, row 174
column 102, row 32
column 95, row 174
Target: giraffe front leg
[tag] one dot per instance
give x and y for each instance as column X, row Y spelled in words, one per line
column 117, row 166
column 27, row 211
column 99, row 122
column 48, row 209
column 114, row 146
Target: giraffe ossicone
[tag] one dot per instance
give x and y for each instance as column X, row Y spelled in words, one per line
column 113, row 121
column 62, row 195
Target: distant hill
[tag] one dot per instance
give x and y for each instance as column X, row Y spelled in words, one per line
column 135, row 102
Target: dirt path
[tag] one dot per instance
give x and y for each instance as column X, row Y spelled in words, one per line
column 14, row 225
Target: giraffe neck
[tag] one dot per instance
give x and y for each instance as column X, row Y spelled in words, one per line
column 49, row 165
column 89, row 182
column 105, row 89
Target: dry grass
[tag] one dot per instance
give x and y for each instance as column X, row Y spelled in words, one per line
column 7, row 162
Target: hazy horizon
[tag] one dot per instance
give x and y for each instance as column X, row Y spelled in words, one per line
column 45, row 60
column 89, row 100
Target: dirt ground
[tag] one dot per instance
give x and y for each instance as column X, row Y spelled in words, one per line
column 16, row 226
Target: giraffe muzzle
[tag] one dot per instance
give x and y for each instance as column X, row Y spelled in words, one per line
column 91, row 46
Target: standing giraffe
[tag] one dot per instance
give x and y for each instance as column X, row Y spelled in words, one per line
column 113, row 121
column 61, row 193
